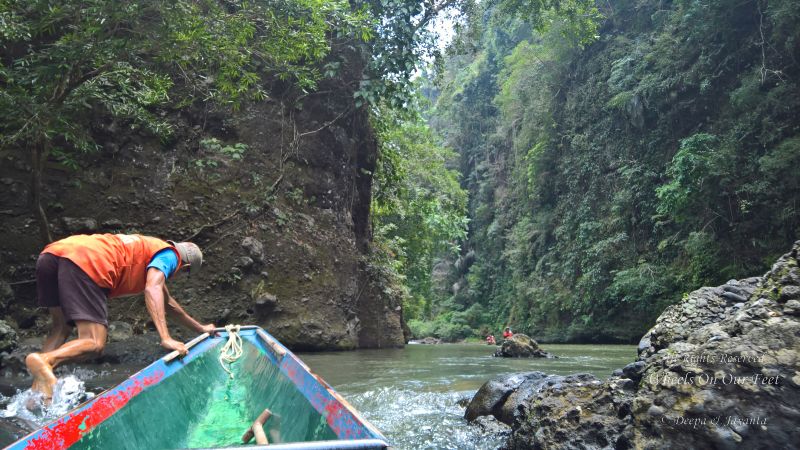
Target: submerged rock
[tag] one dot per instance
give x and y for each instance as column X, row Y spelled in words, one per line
column 718, row 370
column 13, row 428
column 521, row 346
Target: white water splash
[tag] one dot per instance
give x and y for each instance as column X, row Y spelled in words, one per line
column 399, row 413
column 68, row 393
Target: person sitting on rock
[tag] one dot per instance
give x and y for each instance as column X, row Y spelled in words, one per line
column 490, row 340
column 76, row 275
column 507, row 334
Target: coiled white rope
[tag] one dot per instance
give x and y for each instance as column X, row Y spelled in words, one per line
column 232, row 350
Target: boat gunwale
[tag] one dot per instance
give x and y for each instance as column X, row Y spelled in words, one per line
column 353, row 444
column 110, row 401
column 285, row 359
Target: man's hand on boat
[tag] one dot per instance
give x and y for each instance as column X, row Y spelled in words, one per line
column 172, row 344
column 209, row 328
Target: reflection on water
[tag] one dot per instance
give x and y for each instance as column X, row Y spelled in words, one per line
column 411, row 394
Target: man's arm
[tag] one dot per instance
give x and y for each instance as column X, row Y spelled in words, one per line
column 176, row 312
column 155, row 286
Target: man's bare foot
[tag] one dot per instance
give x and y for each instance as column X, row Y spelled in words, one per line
column 43, row 378
column 35, row 404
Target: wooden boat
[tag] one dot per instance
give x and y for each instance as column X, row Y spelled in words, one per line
column 192, row 402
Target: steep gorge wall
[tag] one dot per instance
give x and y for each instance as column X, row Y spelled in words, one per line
column 606, row 181
column 284, row 224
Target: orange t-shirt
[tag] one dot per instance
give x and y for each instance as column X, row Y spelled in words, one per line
column 117, row 262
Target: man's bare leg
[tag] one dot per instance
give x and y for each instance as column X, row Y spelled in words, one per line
column 59, row 330
column 91, row 341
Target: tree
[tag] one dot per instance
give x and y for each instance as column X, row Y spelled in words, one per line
column 67, row 63
column 607, row 179
column 419, row 207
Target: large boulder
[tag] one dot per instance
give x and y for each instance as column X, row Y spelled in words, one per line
column 575, row 412
column 521, row 346
column 490, row 425
column 705, row 306
column 506, row 397
column 719, row 370
column 492, row 396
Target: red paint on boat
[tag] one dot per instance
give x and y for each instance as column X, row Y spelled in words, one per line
column 294, row 375
column 335, row 414
column 73, row 427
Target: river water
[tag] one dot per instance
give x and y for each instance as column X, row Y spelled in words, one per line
column 411, row 394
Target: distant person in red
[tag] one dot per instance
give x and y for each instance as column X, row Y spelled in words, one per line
column 507, row 333
column 76, row 275
column 490, row 340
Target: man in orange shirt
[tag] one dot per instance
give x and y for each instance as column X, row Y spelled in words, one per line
column 76, row 275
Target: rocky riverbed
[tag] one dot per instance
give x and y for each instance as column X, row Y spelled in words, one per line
column 720, row 369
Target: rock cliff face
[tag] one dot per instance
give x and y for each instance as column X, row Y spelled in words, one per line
column 718, row 370
column 283, row 222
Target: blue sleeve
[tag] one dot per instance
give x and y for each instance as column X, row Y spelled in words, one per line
column 166, row 261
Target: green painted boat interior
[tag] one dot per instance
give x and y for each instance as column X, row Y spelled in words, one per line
column 201, row 406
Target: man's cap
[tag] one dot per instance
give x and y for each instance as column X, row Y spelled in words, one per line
column 190, row 253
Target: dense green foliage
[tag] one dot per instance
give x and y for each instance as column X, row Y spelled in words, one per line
column 612, row 162
column 418, row 207
column 607, row 179
column 66, row 64
column 63, row 59
column 404, row 36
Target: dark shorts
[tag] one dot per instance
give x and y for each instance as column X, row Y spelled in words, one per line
column 61, row 283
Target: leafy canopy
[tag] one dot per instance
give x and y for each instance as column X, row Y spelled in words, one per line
column 66, row 62
column 419, row 207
